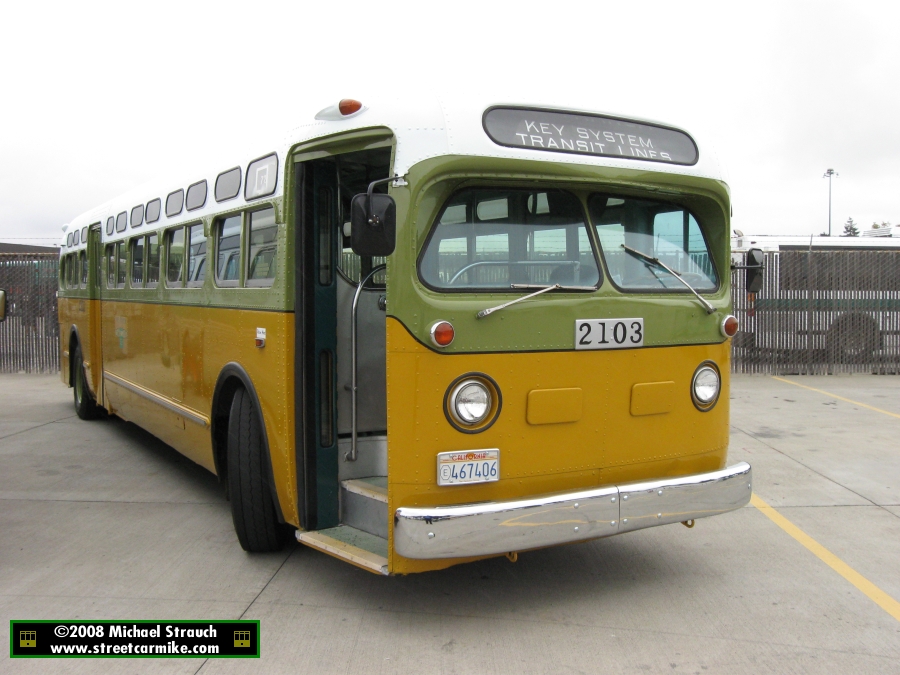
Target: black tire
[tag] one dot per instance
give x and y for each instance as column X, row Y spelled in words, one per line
column 252, row 505
column 85, row 405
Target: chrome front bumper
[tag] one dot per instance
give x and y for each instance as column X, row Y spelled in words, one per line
column 503, row 527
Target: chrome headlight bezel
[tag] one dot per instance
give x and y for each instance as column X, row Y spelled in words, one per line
column 704, row 401
column 460, row 420
column 463, row 396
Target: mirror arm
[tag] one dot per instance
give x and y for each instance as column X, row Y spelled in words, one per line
column 370, row 217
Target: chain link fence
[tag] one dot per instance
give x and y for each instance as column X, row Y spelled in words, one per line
column 820, row 312
column 29, row 338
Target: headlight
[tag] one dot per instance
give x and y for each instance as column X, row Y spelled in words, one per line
column 470, row 402
column 705, row 386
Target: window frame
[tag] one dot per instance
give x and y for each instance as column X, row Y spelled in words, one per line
column 167, row 245
column 217, row 226
column 680, row 289
column 240, row 175
column 499, row 187
column 147, row 282
column 137, row 221
column 266, row 282
column 173, row 212
column 132, row 245
column 189, row 283
column 261, row 195
column 187, row 195
column 158, row 203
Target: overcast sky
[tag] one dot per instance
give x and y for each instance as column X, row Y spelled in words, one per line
column 97, row 97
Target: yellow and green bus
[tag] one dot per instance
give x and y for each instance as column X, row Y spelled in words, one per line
column 419, row 334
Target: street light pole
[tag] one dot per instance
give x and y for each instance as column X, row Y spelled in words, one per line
column 829, row 174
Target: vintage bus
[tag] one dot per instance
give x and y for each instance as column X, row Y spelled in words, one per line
column 825, row 304
column 414, row 335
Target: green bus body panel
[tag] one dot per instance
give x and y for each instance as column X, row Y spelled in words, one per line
column 547, row 323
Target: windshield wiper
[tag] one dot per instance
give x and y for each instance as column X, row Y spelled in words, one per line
column 656, row 261
column 543, row 289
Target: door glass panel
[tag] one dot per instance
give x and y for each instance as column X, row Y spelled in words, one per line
column 325, row 210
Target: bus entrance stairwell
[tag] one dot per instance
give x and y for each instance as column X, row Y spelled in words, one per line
column 342, row 498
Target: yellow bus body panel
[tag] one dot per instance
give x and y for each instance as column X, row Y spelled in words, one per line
column 607, row 445
column 178, row 352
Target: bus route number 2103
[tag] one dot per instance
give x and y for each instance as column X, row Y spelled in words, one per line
column 609, row 333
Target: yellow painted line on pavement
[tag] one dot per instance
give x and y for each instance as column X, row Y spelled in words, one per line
column 840, row 398
column 870, row 590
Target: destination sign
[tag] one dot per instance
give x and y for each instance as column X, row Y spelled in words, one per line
column 588, row 134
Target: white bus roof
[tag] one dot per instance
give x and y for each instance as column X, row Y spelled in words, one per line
column 424, row 128
column 766, row 242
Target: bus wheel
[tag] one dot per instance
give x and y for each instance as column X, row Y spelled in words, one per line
column 252, row 509
column 853, row 340
column 85, row 405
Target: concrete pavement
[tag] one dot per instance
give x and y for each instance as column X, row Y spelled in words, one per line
column 99, row 520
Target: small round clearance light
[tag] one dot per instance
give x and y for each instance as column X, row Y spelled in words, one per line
column 442, row 333
column 348, row 106
column 705, row 386
column 729, row 326
column 470, row 402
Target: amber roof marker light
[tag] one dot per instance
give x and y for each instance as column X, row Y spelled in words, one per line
column 343, row 109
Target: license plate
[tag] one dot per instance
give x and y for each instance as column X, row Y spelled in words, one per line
column 468, row 466
column 609, row 333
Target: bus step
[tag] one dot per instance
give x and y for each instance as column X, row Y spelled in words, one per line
column 347, row 543
column 364, row 505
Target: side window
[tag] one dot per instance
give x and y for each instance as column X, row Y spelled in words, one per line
column 137, row 262
column 84, row 270
column 110, row 265
column 228, row 251
column 174, row 203
column 152, row 267
column 137, row 215
column 196, row 196
column 121, row 264
column 196, row 271
column 70, row 270
column 263, row 248
column 228, row 184
column 153, row 211
column 175, row 257
column 110, row 225
column 121, row 221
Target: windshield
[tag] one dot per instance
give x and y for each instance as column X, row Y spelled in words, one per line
column 657, row 229
column 492, row 238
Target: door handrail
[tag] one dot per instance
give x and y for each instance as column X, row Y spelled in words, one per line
column 352, row 455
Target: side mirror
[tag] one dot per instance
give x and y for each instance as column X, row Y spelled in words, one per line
column 755, row 264
column 373, row 223
column 2, row 305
